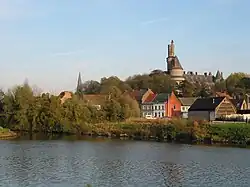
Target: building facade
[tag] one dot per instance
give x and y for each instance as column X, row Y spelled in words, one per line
column 161, row 105
column 186, row 103
column 211, row 109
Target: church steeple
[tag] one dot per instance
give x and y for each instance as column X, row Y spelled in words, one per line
column 79, row 84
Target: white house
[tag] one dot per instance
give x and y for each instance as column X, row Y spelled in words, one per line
column 186, row 102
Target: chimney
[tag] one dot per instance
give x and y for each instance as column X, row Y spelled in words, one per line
column 184, row 72
column 205, row 74
column 191, row 73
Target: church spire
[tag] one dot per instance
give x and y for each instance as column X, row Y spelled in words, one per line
column 79, row 84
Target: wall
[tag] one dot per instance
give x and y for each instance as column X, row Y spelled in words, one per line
column 173, row 106
column 200, row 115
column 225, row 108
column 159, row 110
column 146, row 110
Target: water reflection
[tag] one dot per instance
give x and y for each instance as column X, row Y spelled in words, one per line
column 120, row 163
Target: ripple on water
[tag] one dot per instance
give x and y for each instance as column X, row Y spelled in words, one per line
column 120, row 163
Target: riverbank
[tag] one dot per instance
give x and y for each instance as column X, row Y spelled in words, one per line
column 176, row 130
column 7, row 134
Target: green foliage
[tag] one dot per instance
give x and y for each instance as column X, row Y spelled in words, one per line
column 21, row 110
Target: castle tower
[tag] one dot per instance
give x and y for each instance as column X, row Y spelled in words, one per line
column 174, row 67
column 171, row 49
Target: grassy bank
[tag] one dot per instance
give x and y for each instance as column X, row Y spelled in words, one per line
column 6, row 133
column 177, row 130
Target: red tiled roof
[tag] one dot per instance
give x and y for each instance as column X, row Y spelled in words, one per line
column 150, row 98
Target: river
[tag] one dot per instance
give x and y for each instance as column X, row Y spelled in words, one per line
column 120, row 163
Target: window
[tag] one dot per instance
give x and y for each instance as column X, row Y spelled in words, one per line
column 155, row 107
column 162, row 114
column 149, row 107
column 159, row 114
column 159, row 107
column 152, row 108
column 143, row 107
column 162, row 107
column 174, row 107
column 155, row 114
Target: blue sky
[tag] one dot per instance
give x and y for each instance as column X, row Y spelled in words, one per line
column 49, row 42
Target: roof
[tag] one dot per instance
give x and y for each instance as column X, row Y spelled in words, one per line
column 65, row 95
column 237, row 103
column 161, row 98
column 187, row 101
column 175, row 63
column 150, row 98
column 193, row 78
column 95, row 99
column 206, row 104
column 138, row 94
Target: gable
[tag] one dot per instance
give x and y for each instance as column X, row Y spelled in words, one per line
column 187, row 101
column 226, row 107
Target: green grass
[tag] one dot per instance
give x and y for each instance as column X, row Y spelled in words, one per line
column 4, row 130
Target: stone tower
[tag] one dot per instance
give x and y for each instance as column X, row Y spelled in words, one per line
column 174, row 67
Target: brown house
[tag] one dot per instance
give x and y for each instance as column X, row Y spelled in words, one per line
column 211, row 108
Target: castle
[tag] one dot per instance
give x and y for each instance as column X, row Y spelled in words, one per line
column 177, row 73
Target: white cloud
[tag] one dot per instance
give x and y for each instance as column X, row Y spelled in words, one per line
column 154, row 21
column 67, row 53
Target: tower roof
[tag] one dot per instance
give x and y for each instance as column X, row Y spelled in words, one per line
column 175, row 63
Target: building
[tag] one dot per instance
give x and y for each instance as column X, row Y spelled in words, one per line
column 174, row 68
column 186, row 103
column 65, row 95
column 141, row 95
column 211, row 108
column 177, row 73
column 240, row 104
column 147, row 106
column 161, row 105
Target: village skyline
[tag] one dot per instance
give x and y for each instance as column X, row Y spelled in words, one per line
column 50, row 44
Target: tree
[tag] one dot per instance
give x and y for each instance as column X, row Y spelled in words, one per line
column 91, row 87
column 187, row 89
column 233, row 81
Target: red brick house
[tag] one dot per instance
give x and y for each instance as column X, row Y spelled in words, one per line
column 173, row 106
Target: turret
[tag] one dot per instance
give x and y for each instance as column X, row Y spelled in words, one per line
column 171, row 49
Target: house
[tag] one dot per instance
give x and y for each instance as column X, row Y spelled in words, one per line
column 186, row 102
column 240, row 104
column 211, row 108
column 65, row 95
column 141, row 95
column 147, row 106
column 161, row 105
column 96, row 100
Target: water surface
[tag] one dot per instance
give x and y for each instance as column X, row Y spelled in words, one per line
column 104, row 162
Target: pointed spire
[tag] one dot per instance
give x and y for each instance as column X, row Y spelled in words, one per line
column 79, row 83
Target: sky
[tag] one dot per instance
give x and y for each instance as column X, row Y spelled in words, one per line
column 50, row 42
